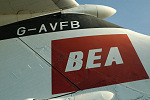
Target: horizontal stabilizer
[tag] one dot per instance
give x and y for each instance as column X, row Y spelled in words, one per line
column 17, row 10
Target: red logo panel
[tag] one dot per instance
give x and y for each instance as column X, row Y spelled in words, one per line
column 126, row 66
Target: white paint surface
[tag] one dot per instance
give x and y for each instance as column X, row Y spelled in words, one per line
column 19, row 81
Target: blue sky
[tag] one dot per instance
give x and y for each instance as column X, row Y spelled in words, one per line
column 131, row 14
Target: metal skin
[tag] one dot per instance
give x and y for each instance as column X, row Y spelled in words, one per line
column 33, row 65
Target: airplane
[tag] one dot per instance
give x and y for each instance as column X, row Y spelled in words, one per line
column 60, row 50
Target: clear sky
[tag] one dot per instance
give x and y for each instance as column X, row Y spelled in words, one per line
column 131, row 14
